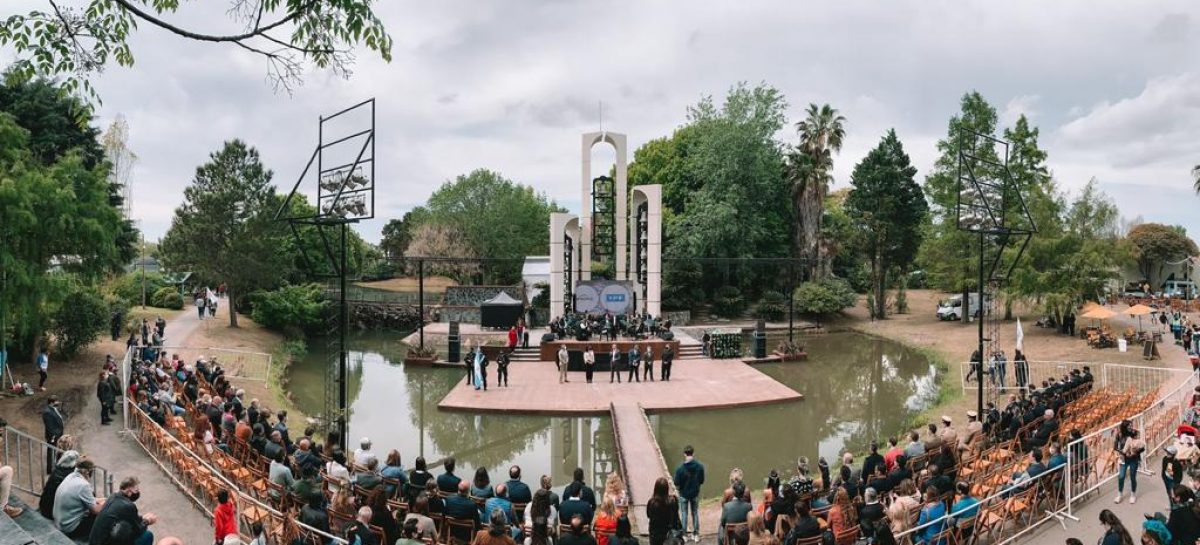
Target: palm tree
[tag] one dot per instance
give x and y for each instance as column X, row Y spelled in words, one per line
column 809, row 168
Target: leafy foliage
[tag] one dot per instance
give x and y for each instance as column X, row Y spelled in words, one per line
column 824, row 297
column 888, row 209
column 129, row 286
column 772, row 307
column 728, row 302
column 292, row 309
column 1155, row 244
column 82, row 316
column 397, row 234
column 167, row 297
column 438, row 240
column 225, row 231
column 488, row 215
column 809, row 170
column 77, row 42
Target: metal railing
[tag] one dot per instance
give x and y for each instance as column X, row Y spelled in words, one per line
column 1137, row 378
column 28, row 456
column 240, row 364
column 198, row 494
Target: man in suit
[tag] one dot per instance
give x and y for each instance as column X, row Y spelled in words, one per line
column 668, row 357
column 53, row 422
column 633, row 359
column 121, row 510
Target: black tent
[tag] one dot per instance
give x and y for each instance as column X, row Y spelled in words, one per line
column 500, row 311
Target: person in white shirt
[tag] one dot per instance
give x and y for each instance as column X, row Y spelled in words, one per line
column 363, row 453
column 336, row 471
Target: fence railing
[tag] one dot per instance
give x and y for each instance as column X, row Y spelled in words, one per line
column 1153, row 400
column 1136, row 378
column 30, row 457
column 203, row 482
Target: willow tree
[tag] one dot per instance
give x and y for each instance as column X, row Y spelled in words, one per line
column 809, row 171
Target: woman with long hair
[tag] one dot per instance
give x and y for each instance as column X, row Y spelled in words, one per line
column 842, row 516
column 481, row 486
column 759, row 535
column 203, row 434
column 605, row 521
column 662, row 510
column 904, row 502
column 614, row 489
column 1114, row 532
column 382, row 517
column 538, row 519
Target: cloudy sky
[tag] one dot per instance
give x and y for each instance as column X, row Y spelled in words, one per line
column 1114, row 87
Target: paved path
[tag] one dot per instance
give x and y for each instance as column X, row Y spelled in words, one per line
column 1152, row 497
column 177, row 515
column 641, row 459
column 695, row 384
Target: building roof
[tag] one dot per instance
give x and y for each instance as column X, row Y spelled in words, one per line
column 536, row 265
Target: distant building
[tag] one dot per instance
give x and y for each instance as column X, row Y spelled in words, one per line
column 152, row 265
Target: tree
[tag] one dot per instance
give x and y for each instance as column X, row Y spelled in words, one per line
column 1196, row 177
column 59, row 124
column 54, row 218
column 946, row 254
column 225, row 230
column 1155, row 244
column 889, row 209
column 448, row 242
column 497, row 217
column 121, row 159
column 723, row 190
column 397, row 234
column 77, row 42
column 809, row 170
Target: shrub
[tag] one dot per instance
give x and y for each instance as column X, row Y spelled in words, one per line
column 772, row 307
column 80, row 319
column 826, row 297
column 167, row 297
column 292, row 309
column 728, row 302
column 606, row 270
column 129, row 286
column 542, row 300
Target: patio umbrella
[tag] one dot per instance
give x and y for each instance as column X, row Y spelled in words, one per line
column 1139, row 310
column 1098, row 313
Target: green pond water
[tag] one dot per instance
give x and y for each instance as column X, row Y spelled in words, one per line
column 856, row 388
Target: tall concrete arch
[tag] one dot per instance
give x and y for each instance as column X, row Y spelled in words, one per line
column 619, row 143
column 647, row 243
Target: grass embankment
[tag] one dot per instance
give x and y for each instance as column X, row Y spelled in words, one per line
column 947, row 344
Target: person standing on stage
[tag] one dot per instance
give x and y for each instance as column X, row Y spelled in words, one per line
column 589, row 362
column 614, row 358
column 668, row 356
column 633, row 360
column 648, row 362
column 480, row 368
column 512, row 337
column 563, row 359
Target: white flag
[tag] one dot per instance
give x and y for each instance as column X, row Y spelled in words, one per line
column 1020, row 336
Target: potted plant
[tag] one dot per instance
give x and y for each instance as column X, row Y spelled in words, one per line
column 790, row 351
column 420, row 356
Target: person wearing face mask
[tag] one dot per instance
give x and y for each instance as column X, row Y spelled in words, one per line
column 119, row 522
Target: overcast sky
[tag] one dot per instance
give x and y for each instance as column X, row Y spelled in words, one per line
column 1114, row 87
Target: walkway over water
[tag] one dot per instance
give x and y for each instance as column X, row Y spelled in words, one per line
column 696, row 383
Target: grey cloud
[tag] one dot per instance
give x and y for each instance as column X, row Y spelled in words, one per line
column 1171, row 28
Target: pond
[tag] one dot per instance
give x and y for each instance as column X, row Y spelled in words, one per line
column 396, row 407
column 856, row 388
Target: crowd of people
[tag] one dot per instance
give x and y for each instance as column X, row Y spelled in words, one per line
column 608, row 326
column 637, row 363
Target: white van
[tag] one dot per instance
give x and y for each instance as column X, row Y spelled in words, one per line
column 1178, row 288
column 951, row 309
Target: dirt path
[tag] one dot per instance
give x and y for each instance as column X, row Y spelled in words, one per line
column 110, row 448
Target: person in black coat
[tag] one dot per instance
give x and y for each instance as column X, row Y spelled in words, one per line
column 107, row 397
column 64, row 467
column 459, row 506
column 119, row 522
column 52, row 422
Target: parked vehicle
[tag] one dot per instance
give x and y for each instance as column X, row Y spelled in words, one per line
column 1178, row 288
column 952, row 308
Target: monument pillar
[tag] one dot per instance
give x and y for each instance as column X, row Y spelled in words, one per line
column 560, row 270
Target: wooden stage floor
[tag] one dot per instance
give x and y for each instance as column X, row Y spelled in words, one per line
column 695, row 384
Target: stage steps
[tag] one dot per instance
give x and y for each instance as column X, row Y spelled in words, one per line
column 30, row 527
column 532, row 353
column 690, row 352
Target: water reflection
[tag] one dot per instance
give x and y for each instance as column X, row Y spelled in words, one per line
column 857, row 388
column 396, row 407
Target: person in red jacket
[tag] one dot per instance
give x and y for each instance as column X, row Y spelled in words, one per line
column 224, row 518
column 512, row 337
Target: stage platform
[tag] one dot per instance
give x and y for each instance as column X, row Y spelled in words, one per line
column 698, row 383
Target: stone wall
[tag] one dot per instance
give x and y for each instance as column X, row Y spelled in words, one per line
column 473, row 296
column 677, row 317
